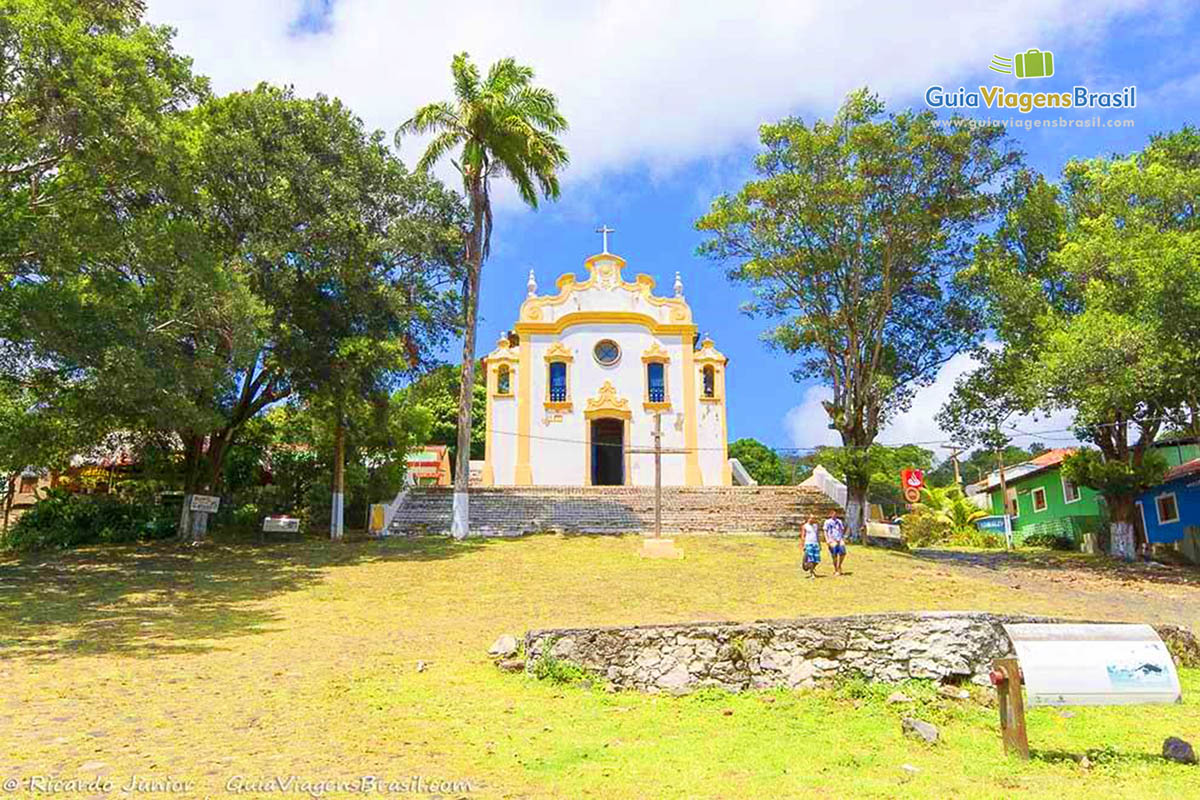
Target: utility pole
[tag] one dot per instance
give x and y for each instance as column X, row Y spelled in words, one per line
column 954, row 451
column 1004, row 499
column 663, row 548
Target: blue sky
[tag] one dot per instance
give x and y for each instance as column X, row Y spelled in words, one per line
column 665, row 102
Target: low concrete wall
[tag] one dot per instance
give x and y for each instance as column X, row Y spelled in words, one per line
column 943, row 646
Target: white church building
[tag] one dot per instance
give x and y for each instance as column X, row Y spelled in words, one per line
column 578, row 381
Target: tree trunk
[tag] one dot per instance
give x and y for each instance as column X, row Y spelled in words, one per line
column 1121, row 543
column 856, row 511
column 460, row 524
column 191, row 477
column 10, row 489
column 339, row 479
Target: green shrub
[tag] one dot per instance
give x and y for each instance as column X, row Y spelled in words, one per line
column 1053, row 541
column 921, row 529
column 973, row 537
column 62, row 520
column 248, row 516
column 549, row 667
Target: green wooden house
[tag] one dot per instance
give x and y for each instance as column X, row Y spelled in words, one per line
column 1041, row 501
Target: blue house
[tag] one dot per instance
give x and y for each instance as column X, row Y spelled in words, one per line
column 1170, row 512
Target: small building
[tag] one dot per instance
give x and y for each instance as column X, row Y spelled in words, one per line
column 1040, row 500
column 1170, row 512
column 428, row 465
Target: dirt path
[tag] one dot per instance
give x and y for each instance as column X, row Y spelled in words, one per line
column 1157, row 593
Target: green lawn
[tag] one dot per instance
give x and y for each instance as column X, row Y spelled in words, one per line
column 302, row 658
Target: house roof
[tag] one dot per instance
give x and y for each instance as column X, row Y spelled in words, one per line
column 1182, row 471
column 1052, row 457
column 1019, row 472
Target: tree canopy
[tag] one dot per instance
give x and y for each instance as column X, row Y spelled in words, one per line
column 1093, row 289
column 175, row 263
column 763, row 463
column 849, row 235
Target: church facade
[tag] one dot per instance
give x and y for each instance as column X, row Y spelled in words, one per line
column 577, row 383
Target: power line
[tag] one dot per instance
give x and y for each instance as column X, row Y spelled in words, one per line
column 1012, row 432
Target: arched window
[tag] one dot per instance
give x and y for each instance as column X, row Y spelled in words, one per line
column 503, row 380
column 710, row 381
column 558, row 382
column 656, row 382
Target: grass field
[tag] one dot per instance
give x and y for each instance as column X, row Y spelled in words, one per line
column 233, row 663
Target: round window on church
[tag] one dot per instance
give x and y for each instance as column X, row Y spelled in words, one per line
column 607, row 352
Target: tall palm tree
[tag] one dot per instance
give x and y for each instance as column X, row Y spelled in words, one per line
column 505, row 127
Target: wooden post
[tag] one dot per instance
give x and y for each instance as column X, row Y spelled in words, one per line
column 954, row 451
column 1006, row 677
column 658, row 476
column 1004, row 500
column 658, row 547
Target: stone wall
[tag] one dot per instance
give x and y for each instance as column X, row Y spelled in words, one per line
column 513, row 511
column 943, row 646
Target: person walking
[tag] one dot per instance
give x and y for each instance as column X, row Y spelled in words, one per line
column 835, row 539
column 811, row 546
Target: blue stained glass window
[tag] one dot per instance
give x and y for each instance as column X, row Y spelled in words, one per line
column 656, row 382
column 558, row 382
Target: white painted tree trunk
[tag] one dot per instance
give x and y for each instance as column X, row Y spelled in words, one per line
column 460, row 524
column 856, row 504
column 337, row 518
column 338, row 506
column 1121, row 534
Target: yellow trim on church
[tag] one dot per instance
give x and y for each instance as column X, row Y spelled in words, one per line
column 691, row 438
column 523, row 474
column 604, row 271
column 607, row 317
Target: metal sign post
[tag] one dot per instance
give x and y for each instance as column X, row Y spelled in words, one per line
column 200, row 507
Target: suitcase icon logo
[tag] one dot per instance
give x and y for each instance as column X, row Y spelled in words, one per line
column 1033, row 63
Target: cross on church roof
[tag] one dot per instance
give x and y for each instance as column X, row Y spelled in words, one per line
column 604, row 231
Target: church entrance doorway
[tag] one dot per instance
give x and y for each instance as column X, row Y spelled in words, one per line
column 608, row 452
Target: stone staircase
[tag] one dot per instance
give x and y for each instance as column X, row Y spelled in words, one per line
column 513, row 511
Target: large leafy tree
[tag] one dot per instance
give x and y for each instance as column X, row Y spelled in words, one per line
column 85, row 88
column 436, row 394
column 849, row 235
column 500, row 125
column 763, row 463
column 880, row 463
column 282, row 250
column 1093, row 287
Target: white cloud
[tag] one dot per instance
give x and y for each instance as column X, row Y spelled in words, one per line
column 650, row 86
column 806, row 423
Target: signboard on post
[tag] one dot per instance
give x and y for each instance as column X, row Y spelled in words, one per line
column 205, row 503
column 912, row 479
column 281, row 525
column 1090, row 665
column 1076, row 664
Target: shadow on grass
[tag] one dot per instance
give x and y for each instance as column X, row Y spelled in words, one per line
column 1096, row 757
column 161, row 598
column 1050, row 561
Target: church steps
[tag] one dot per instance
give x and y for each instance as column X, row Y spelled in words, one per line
column 512, row 511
